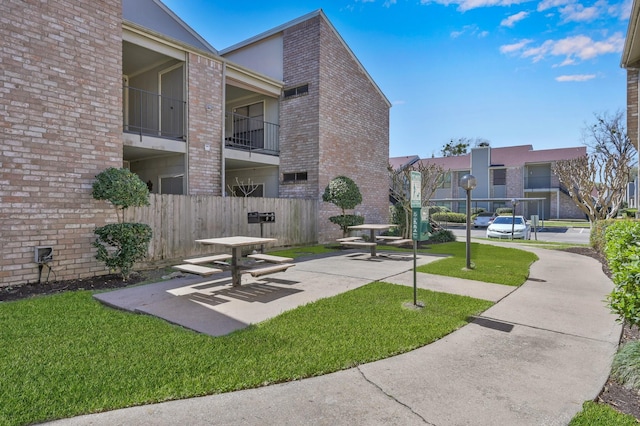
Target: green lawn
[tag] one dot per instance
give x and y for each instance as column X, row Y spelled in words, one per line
column 594, row 414
column 490, row 263
column 64, row 355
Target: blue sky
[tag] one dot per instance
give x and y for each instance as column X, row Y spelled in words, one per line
column 510, row 71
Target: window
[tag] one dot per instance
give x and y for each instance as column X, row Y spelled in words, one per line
column 296, row 91
column 500, row 176
column 294, row 177
column 445, row 181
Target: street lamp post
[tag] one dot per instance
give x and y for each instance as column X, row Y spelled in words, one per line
column 468, row 182
column 514, row 202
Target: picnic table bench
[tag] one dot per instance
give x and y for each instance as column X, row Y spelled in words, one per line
column 216, row 258
column 197, row 269
column 270, row 258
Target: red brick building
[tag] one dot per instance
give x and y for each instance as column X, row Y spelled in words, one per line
column 89, row 85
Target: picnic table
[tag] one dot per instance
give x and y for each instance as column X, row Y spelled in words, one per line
column 236, row 244
column 372, row 244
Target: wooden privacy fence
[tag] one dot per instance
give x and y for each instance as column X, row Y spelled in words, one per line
column 178, row 220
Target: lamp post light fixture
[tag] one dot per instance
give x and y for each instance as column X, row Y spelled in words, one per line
column 514, row 203
column 468, row 182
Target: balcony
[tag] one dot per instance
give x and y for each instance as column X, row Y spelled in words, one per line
column 151, row 114
column 540, row 182
column 251, row 134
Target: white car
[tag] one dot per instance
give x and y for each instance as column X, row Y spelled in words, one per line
column 484, row 219
column 502, row 226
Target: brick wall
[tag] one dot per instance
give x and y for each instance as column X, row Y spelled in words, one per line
column 60, row 113
column 206, row 105
column 340, row 128
column 299, row 116
column 515, row 182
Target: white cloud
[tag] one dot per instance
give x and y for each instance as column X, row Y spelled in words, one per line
column 550, row 4
column 572, row 48
column 464, row 5
column 398, row 102
column 576, row 12
column 575, row 77
column 472, row 30
column 511, row 20
column 511, row 48
column 389, row 3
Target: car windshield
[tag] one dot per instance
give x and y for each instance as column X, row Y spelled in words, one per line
column 506, row 220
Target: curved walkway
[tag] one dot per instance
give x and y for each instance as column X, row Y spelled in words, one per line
column 531, row 359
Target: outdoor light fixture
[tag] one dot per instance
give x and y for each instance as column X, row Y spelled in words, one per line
column 468, row 182
column 514, row 203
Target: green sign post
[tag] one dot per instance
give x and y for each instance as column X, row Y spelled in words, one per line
column 416, row 207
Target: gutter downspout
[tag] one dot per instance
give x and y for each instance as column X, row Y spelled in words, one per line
column 223, row 180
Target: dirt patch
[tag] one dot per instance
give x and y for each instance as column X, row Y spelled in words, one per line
column 102, row 282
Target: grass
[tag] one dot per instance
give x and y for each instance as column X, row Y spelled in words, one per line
column 626, row 365
column 490, row 263
column 566, row 223
column 594, row 414
column 295, row 252
column 64, row 355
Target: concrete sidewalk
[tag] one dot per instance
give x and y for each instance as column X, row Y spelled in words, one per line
column 531, row 359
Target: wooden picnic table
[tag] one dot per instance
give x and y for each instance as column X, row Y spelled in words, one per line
column 236, row 244
column 373, row 228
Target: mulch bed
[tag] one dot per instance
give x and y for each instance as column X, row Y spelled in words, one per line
column 613, row 394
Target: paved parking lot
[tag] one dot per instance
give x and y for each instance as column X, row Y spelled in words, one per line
column 556, row 235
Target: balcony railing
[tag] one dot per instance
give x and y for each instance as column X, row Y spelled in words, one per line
column 252, row 134
column 151, row 114
column 540, row 182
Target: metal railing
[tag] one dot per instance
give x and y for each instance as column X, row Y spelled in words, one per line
column 151, row 114
column 251, row 134
column 533, row 182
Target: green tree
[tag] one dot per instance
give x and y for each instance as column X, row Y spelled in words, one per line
column 344, row 193
column 121, row 244
column 460, row 146
column 431, row 177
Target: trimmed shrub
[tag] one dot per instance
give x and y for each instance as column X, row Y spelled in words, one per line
column 504, row 211
column 597, row 238
column 442, row 236
column 121, row 244
column 347, row 220
column 622, row 250
column 450, row 217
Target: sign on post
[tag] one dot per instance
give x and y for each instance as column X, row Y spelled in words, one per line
column 416, row 189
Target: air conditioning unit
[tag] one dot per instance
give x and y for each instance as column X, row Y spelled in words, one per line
column 43, row 254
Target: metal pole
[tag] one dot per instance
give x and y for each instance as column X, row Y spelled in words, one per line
column 468, row 250
column 415, row 285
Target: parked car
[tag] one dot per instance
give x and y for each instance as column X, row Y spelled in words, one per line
column 502, row 226
column 483, row 219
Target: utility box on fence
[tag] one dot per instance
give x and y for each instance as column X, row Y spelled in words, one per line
column 253, row 217
column 268, row 217
column 257, row 217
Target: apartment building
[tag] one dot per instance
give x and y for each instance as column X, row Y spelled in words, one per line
column 631, row 62
column 505, row 174
column 90, row 85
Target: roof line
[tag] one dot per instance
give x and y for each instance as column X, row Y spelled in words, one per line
column 297, row 21
column 185, row 26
